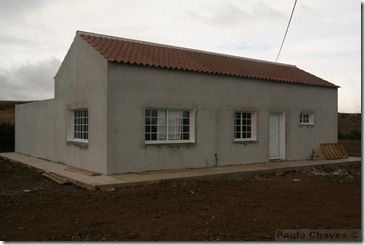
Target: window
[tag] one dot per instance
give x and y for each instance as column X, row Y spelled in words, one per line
column 244, row 126
column 80, row 125
column 306, row 119
column 169, row 126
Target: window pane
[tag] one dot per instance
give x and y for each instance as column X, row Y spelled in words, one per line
column 154, row 113
column 186, row 136
column 161, row 136
column 237, row 135
column 147, row 136
column 147, row 113
column 186, row 129
column 161, row 129
column 161, row 114
column 148, row 121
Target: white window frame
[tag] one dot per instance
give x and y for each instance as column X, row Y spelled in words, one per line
column 242, row 125
column 306, row 119
column 78, row 129
column 163, row 137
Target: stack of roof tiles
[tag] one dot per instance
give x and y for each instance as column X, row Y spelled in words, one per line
column 156, row 55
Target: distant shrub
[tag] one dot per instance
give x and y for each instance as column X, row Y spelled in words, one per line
column 352, row 135
column 7, row 137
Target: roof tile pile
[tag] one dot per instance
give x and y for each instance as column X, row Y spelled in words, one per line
column 157, row 55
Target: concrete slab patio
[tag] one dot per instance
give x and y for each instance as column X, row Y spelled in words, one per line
column 106, row 182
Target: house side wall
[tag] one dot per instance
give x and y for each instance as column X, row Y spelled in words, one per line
column 215, row 98
column 43, row 128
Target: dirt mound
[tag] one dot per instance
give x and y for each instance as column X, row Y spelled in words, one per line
column 7, row 110
column 348, row 122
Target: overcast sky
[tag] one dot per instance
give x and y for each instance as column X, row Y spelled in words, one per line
column 324, row 37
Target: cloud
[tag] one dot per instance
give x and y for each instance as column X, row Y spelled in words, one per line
column 349, row 93
column 230, row 15
column 30, row 81
column 324, row 37
column 14, row 11
column 14, row 41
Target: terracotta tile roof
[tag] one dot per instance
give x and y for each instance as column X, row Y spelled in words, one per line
column 128, row 51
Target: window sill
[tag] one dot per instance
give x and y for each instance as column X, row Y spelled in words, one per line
column 78, row 143
column 306, row 124
column 169, row 143
column 244, row 141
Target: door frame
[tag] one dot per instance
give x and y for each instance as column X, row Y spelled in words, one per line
column 282, row 133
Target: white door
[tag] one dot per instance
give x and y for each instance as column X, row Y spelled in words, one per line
column 274, row 136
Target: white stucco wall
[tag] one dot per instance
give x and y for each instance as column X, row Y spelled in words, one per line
column 43, row 128
column 133, row 88
column 116, row 96
column 39, row 129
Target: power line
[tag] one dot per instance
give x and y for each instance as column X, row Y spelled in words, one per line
column 287, row 28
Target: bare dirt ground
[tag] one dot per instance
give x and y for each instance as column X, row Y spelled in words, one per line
column 247, row 208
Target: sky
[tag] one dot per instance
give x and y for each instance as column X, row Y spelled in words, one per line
column 324, row 37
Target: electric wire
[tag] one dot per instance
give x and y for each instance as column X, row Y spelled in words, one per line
column 287, row 28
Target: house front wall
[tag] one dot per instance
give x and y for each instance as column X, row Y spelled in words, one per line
column 215, row 99
column 44, row 129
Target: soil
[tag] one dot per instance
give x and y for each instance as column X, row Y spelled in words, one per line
column 33, row 208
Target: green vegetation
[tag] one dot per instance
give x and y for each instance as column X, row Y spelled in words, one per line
column 7, row 137
column 352, row 135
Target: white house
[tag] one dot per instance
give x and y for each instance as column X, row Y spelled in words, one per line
column 124, row 105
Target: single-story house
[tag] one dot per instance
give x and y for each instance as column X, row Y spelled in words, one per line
column 125, row 105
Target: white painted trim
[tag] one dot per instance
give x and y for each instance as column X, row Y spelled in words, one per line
column 282, row 150
column 282, row 133
column 253, row 127
column 70, row 126
column 310, row 119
